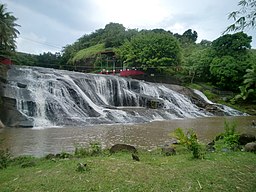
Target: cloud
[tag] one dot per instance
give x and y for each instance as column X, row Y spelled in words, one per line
column 35, row 44
column 132, row 13
column 42, row 32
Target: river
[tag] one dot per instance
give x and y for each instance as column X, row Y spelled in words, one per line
column 41, row 141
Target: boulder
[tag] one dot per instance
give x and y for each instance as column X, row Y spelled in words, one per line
column 11, row 117
column 246, row 138
column 250, row 147
column 122, row 147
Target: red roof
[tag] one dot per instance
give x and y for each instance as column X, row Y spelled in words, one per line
column 6, row 61
column 127, row 73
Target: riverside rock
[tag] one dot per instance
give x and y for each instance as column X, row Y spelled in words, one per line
column 246, row 138
column 122, row 147
column 250, row 147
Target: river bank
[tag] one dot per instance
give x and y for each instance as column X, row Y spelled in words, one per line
column 230, row 171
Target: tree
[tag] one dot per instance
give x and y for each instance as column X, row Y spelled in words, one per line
column 8, row 32
column 114, row 35
column 245, row 17
column 198, row 65
column 205, row 43
column 231, row 58
column 24, row 59
column 68, row 53
column 151, row 49
column 49, row 59
column 235, row 45
column 226, row 71
column 190, row 36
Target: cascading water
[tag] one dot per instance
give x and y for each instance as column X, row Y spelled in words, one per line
column 50, row 97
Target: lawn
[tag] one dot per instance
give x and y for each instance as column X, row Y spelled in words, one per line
column 218, row 171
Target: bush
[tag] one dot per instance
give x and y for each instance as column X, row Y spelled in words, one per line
column 190, row 141
column 81, row 152
column 94, row 149
column 229, row 139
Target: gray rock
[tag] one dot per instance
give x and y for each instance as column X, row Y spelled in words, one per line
column 250, row 147
column 20, row 85
column 246, row 138
column 122, row 147
column 11, row 117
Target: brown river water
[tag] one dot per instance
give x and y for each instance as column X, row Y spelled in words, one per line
column 41, row 141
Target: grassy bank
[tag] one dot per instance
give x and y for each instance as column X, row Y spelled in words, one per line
column 231, row 171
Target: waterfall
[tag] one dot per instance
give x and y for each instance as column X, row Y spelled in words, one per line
column 49, row 97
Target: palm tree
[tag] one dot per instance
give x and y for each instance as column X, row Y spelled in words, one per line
column 8, row 32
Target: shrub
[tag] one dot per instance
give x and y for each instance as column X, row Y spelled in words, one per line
column 95, row 148
column 229, row 139
column 190, row 141
column 81, row 151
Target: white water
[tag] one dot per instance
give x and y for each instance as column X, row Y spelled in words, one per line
column 202, row 96
column 55, row 98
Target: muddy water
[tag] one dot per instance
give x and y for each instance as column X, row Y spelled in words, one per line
column 42, row 141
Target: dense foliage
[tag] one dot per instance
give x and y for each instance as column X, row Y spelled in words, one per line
column 151, row 49
column 48, row 59
column 112, row 36
column 190, row 141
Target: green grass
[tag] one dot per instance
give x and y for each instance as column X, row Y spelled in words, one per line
column 88, row 52
column 233, row 171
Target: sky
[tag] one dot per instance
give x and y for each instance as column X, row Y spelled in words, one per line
column 49, row 25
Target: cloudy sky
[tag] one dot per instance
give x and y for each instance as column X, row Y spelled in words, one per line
column 49, row 25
